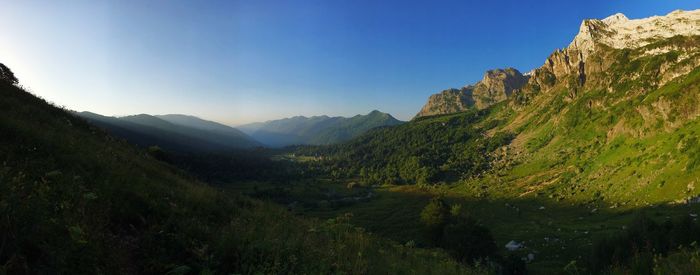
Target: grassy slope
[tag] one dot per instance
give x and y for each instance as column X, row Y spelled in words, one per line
column 624, row 149
column 75, row 200
column 558, row 234
column 622, row 138
column 575, row 157
column 590, row 155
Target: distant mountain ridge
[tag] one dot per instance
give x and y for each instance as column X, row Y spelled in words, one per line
column 316, row 130
column 179, row 133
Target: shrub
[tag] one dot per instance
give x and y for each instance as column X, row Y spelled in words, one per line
column 643, row 239
column 157, row 153
column 435, row 216
column 468, row 241
column 461, row 236
column 6, row 75
column 512, row 264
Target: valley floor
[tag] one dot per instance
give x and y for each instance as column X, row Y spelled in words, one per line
column 559, row 235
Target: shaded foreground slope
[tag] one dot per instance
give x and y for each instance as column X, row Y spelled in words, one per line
column 74, row 200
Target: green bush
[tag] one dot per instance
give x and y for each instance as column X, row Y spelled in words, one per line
column 468, row 241
column 640, row 242
column 461, row 236
column 435, row 216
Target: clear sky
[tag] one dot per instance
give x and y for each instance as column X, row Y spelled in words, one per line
column 245, row 61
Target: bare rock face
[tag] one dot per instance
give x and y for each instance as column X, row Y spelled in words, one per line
column 447, row 102
column 558, row 65
column 585, row 58
column 619, row 32
column 496, row 86
column 574, row 63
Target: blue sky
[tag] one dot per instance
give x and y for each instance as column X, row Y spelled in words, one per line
column 244, row 61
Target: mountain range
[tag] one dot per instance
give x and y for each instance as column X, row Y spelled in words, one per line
column 185, row 133
column 178, row 133
column 316, row 130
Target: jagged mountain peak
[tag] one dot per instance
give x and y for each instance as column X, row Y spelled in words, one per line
column 617, row 31
column 500, row 74
column 496, row 86
column 509, row 78
column 595, row 37
column 615, row 18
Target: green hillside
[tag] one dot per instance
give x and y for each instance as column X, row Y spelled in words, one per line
column 348, row 128
column 622, row 137
column 74, row 200
column 599, row 143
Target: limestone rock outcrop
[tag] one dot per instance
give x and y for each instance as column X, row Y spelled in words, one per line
column 584, row 57
column 496, row 86
column 619, row 32
column 616, row 32
column 447, row 102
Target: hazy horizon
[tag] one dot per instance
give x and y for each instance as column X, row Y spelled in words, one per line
column 234, row 125
column 238, row 62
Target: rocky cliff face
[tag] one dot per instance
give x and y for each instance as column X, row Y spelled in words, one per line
column 583, row 60
column 496, row 86
column 585, row 55
column 618, row 32
column 447, row 102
